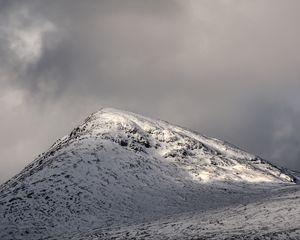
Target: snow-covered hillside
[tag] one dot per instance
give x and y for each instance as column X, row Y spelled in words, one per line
column 120, row 169
column 275, row 217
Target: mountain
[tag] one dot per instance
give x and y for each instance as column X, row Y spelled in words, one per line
column 119, row 169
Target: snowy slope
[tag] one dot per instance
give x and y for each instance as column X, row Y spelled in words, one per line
column 119, row 169
column 276, row 217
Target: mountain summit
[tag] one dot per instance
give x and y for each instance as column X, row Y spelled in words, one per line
column 119, row 168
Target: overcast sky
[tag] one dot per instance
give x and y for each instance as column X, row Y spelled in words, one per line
column 228, row 69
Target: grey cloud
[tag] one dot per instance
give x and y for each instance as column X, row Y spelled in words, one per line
column 225, row 68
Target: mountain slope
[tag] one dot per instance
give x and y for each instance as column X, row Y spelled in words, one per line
column 276, row 217
column 120, row 168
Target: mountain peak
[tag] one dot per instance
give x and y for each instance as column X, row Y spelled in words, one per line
column 116, row 115
column 112, row 111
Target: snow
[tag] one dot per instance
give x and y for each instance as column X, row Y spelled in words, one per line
column 120, row 169
column 275, row 217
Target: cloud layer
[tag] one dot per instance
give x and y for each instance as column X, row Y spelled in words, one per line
column 229, row 69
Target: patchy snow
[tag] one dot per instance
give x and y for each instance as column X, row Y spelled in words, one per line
column 121, row 169
column 275, row 217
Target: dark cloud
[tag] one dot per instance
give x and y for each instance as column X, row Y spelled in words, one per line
column 225, row 68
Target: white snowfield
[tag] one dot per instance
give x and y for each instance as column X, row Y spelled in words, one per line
column 120, row 175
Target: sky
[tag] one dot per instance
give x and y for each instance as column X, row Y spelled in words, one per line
column 225, row 68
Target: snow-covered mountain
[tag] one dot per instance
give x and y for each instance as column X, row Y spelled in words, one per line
column 119, row 169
